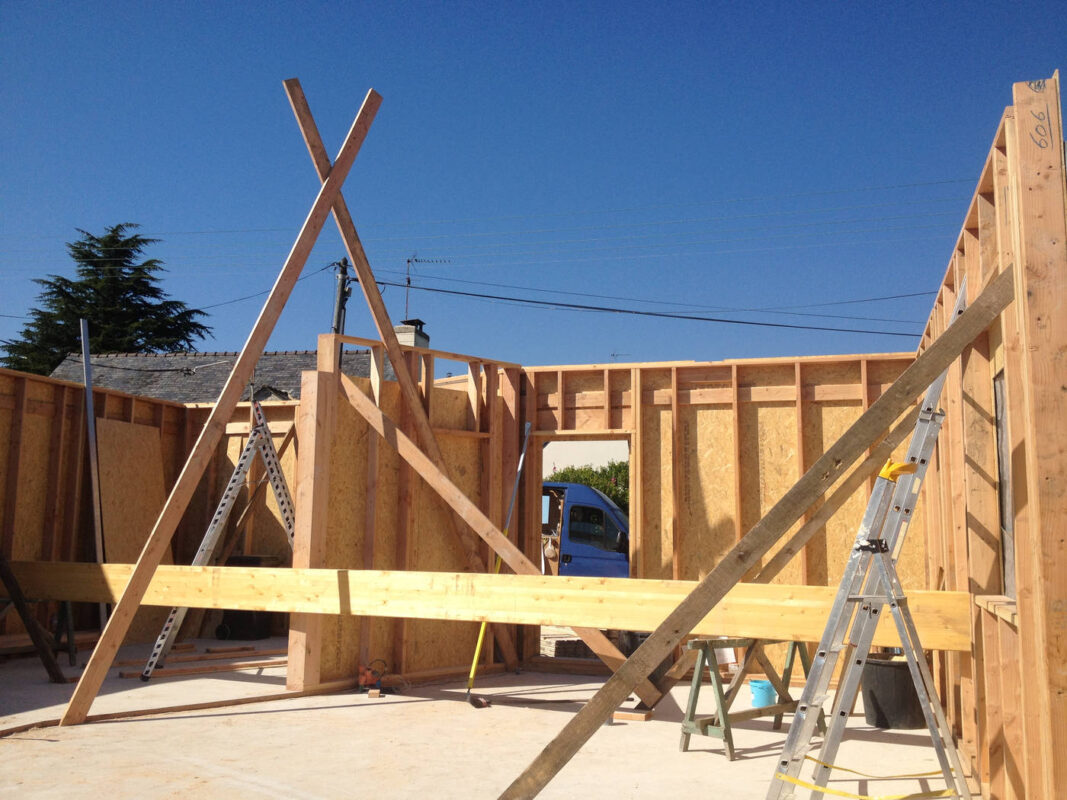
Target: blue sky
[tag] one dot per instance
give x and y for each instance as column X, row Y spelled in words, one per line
column 692, row 158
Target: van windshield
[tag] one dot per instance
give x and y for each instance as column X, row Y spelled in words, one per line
column 611, row 504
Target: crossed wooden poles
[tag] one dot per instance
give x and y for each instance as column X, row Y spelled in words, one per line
column 426, row 456
column 426, row 459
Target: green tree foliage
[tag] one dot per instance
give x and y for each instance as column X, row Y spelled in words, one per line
column 612, row 479
column 118, row 293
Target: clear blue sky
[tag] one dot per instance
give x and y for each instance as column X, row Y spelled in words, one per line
column 677, row 157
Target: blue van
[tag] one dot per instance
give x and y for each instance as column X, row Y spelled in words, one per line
column 585, row 530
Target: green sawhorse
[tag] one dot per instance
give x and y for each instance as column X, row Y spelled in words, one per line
column 719, row 724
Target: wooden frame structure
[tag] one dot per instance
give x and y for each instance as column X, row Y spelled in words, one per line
column 703, row 512
column 995, row 501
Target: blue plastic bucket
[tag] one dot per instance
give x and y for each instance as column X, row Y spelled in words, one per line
column 763, row 693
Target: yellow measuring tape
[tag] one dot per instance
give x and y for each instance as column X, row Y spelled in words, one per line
column 839, row 793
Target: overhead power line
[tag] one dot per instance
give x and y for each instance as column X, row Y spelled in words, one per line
column 637, row 312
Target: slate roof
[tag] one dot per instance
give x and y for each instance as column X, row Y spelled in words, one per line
column 199, row 377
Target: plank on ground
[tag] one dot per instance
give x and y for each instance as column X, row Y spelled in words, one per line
column 755, row 610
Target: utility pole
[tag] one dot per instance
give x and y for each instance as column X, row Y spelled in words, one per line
column 343, row 293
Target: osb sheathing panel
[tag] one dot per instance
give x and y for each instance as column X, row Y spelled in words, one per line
column 33, row 472
column 384, row 631
column 42, row 474
column 131, row 497
column 431, row 545
column 707, row 504
column 346, row 523
column 824, row 423
column 768, row 431
column 431, row 644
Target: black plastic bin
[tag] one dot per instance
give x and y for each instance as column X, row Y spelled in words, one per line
column 889, row 696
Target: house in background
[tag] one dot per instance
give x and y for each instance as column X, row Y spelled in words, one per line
column 199, row 377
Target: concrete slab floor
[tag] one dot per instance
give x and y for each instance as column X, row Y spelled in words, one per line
column 423, row 741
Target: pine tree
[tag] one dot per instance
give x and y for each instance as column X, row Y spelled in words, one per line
column 119, row 295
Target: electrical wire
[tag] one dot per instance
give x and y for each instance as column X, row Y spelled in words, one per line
column 756, row 309
column 637, row 312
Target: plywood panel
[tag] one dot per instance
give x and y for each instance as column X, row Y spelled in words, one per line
column 33, row 470
column 346, row 525
column 823, row 425
column 131, row 497
column 707, row 504
column 432, row 644
column 768, row 432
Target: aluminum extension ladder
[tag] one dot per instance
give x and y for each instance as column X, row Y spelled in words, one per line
column 259, row 441
column 870, row 584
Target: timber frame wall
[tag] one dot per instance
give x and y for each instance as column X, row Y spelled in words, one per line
column 46, row 506
column 712, row 447
column 1007, row 698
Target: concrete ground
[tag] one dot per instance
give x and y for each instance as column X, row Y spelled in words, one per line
column 422, row 741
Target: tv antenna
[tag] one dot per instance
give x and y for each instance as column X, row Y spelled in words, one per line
column 407, row 282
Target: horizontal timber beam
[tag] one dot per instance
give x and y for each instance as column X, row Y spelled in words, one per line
column 760, row 611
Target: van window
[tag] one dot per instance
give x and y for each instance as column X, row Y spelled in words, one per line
column 591, row 527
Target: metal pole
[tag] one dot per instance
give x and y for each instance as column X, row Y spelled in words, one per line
column 94, row 466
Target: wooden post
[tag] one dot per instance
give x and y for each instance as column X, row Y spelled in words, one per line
column 1041, row 280
column 370, row 524
column 763, row 535
column 314, row 427
column 185, row 486
column 678, row 459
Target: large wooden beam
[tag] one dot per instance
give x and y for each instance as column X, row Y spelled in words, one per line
column 185, row 486
column 769, row 612
column 1042, row 316
column 822, row 475
column 380, row 315
column 478, row 521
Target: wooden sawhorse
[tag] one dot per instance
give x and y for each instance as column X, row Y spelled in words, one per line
column 719, row 724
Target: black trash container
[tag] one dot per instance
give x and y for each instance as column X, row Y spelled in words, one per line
column 889, row 696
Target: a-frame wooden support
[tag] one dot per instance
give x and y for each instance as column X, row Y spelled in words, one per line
column 596, row 640
column 163, row 531
column 347, row 228
column 816, row 481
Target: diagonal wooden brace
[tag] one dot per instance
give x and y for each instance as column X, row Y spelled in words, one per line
column 163, row 531
column 478, row 521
